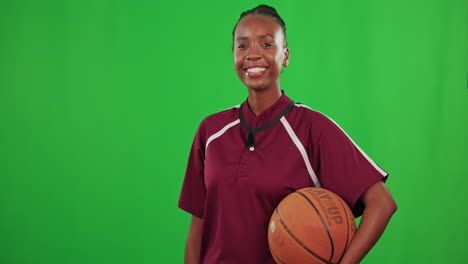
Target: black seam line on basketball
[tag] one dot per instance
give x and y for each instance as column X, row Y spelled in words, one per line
column 251, row 138
column 276, row 256
column 319, row 201
column 297, row 240
column 347, row 229
column 323, row 223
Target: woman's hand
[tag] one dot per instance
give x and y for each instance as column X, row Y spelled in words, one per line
column 379, row 207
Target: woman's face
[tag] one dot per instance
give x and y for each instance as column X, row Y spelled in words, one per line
column 259, row 51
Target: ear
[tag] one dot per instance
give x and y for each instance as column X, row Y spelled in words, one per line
column 286, row 57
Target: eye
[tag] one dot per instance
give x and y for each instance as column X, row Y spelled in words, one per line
column 242, row 46
column 267, row 44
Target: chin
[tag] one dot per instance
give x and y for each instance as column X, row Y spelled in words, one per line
column 257, row 89
column 257, row 86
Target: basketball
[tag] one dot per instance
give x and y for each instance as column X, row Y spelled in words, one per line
column 310, row 226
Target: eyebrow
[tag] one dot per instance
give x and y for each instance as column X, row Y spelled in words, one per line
column 261, row 36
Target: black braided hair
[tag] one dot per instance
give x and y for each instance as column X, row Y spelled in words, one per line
column 264, row 10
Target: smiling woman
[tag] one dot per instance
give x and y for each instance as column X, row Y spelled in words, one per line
column 259, row 52
column 246, row 159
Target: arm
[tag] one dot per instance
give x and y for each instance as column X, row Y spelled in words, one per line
column 379, row 207
column 192, row 248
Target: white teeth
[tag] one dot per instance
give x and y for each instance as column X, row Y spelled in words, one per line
column 256, row 69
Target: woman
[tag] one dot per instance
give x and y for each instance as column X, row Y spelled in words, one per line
column 246, row 159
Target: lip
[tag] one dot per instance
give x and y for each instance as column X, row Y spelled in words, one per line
column 255, row 74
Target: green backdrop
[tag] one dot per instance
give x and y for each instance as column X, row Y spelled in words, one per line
column 100, row 100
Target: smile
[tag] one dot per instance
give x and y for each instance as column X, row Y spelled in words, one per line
column 255, row 71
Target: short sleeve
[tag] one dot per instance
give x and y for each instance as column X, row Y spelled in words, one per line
column 192, row 196
column 343, row 167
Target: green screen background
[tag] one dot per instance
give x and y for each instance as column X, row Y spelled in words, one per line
column 100, row 100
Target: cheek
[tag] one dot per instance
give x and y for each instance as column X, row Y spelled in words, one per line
column 275, row 63
column 237, row 63
column 237, row 56
column 279, row 59
column 238, row 67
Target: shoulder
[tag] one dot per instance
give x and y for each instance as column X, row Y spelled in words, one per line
column 219, row 120
column 323, row 126
column 224, row 115
column 318, row 124
column 310, row 115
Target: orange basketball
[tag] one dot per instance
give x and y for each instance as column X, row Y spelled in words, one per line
column 310, row 226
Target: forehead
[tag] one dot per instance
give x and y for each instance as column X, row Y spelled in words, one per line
column 257, row 25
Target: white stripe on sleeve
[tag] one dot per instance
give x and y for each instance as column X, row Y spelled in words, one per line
column 384, row 174
column 220, row 132
column 302, row 150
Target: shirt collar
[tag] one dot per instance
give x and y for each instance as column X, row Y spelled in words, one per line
column 266, row 116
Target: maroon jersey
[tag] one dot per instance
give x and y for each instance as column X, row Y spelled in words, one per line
column 241, row 166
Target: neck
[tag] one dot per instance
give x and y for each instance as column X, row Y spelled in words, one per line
column 260, row 100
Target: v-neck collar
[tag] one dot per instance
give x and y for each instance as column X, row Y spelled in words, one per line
column 267, row 115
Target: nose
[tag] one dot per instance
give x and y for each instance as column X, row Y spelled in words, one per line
column 253, row 57
column 253, row 54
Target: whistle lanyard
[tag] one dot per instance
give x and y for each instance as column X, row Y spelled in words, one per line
column 251, row 138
